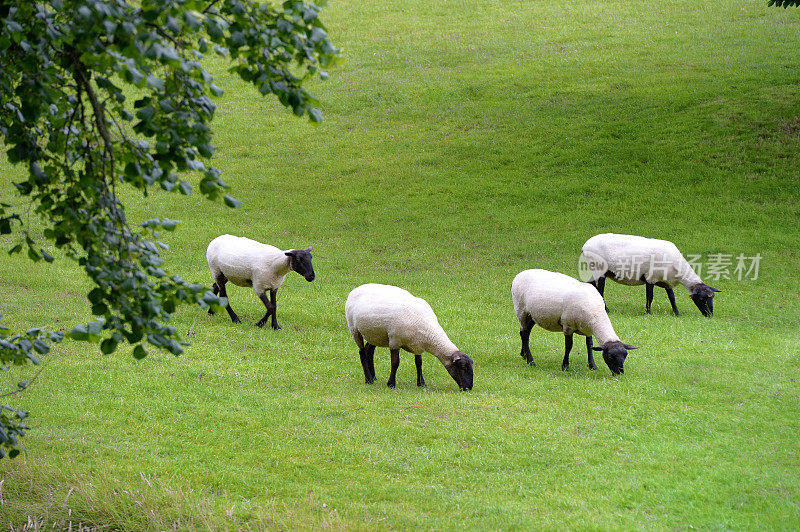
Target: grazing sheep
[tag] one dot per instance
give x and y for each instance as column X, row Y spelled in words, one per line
column 388, row 316
column 634, row 260
column 245, row 262
column 557, row 302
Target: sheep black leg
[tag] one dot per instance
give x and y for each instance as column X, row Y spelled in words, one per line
column 270, row 309
column 418, row 362
column 224, row 293
column 395, row 356
column 273, row 298
column 525, row 334
column 671, row 296
column 215, row 289
column 649, row 297
column 567, row 349
column 370, row 351
column 362, row 352
column 601, row 287
column 589, row 345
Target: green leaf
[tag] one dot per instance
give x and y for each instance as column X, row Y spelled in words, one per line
column 315, row 114
column 79, row 333
column 155, row 82
column 146, row 113
column 38, row 173
column 139, row 352
column 94, row 327
column 318, row 34
column 232, row 202
column 95, row 295
column 12, row 26
column 108, row 346
column 40, row 346
column 132, row 169
column 206, row 149
column 169, row 225
column 174, row 347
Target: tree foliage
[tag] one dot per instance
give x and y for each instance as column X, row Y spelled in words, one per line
column 784, row 3
column 96, row 94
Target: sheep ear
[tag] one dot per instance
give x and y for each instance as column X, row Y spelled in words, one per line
column 458, row 356
column 629, row 347
column 290, row 253
column 715, row 290
column 309, row 248
column 595, row 348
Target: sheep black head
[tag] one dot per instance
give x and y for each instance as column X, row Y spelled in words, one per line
column 460, row 368
column 300, row 261
column 615, row 353
column 703, row 297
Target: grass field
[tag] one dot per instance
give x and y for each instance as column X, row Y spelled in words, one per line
column 464, row 141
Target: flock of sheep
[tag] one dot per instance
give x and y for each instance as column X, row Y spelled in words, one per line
column 387, row 316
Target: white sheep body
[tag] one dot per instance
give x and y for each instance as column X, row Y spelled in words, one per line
column 559, row 303
column 630, row 257
column 246, row 262
column 388, row 316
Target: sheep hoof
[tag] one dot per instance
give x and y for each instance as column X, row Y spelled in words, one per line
column 211, row 312
column 276, row 327
column 236, row 320
column 564, row 367
column 593, row 367
column 421, row 384
column 260, row 323
column 390, row 384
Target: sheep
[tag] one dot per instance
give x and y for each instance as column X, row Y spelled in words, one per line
column 245, row 262
column 388, row 316
column 557, row 302
column 634, row 260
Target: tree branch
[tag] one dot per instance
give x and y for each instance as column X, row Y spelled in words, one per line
column 21, row 389
column 206, row 10
column 83, row 77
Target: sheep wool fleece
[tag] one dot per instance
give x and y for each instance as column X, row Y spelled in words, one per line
column 557, row 302
column 629, row 257
column 246, row 262
column 388, row 316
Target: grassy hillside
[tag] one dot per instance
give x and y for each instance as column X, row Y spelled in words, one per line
column 463, row 141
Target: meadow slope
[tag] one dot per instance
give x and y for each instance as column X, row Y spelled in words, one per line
column 463, row 141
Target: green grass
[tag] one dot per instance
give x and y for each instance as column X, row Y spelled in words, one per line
column 464, row 141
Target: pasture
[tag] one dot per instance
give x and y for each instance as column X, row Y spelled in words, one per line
column 463, row 142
